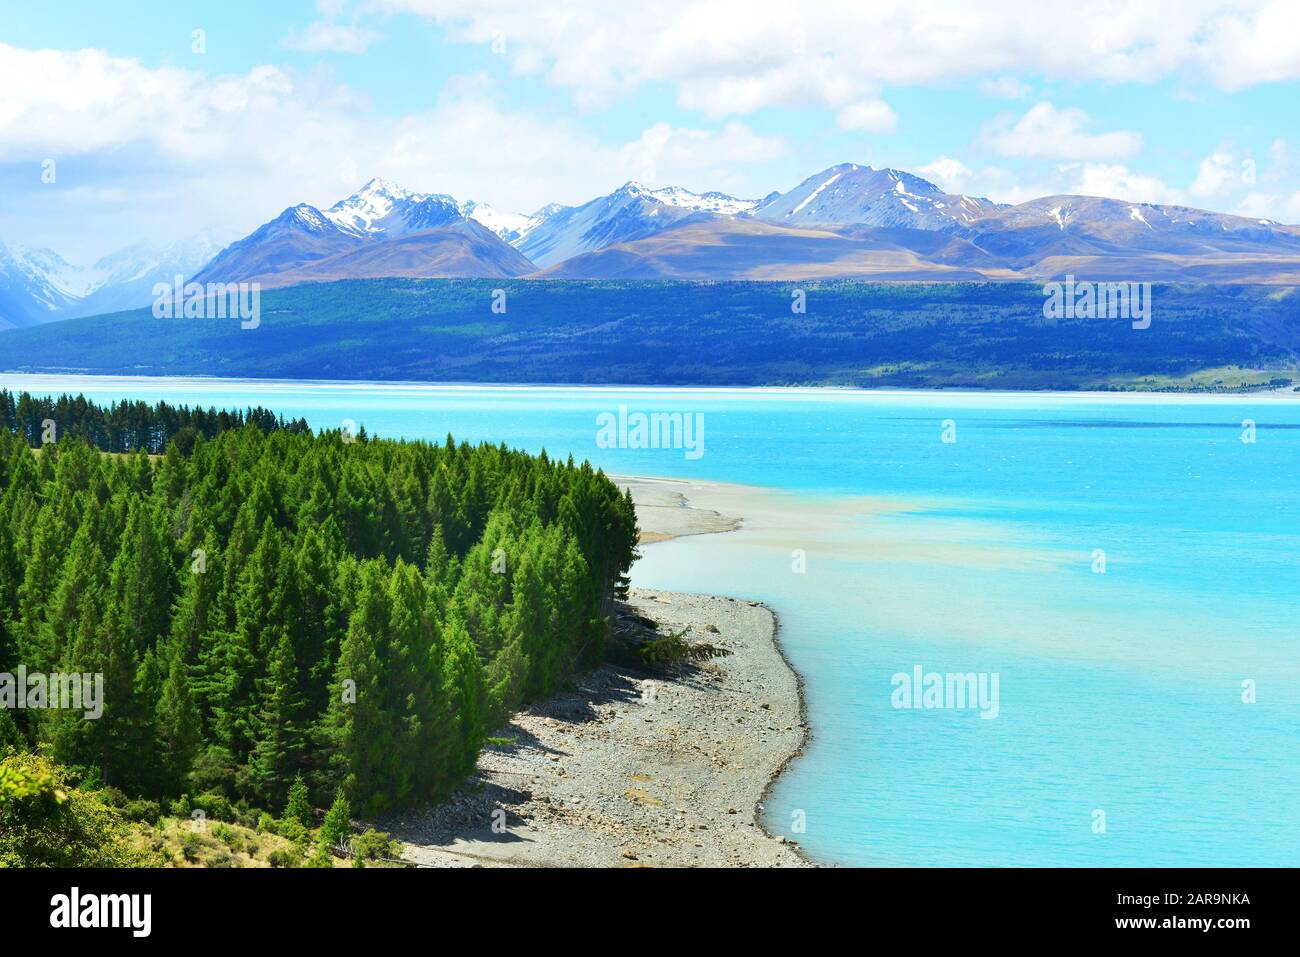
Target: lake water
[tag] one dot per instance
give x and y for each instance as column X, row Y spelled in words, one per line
column 1121, row 735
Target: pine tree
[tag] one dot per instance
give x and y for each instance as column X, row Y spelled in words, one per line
column 297, row 808
column 337, row 824
column 359, row 725
column 306, row 641
column 279, row 740
column 177, row 725
column 142, row 578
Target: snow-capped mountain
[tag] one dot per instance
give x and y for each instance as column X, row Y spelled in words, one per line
column 849, row 220
column 381, row 208
column 36, row 285
column 711, row 202
column 125, row 279
column 1111, row 238
column 630, row 212
column 305, row 243
column 849, row 194
column 39, row 285
column 298, row 235
column 509, row 226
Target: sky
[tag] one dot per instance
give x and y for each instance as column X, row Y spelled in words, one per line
column 152, row 120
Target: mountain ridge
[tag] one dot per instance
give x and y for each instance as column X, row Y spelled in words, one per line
column 849, row 220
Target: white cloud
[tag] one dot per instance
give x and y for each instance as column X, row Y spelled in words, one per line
column 1045, row 132
column 1255, row 43
column 868, row 116
column 1114, row 181
column 1004, row 88
column 698, row 159
column 172, row 148
column 324, row 36
column 951, row 174
column 1221, row 172
column 735, row 56
column 1110, row 180
column 1267, row 192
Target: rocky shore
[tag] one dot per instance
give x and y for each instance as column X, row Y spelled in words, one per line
column 632, row 767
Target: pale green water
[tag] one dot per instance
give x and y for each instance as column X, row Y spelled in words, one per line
column 1118, row 692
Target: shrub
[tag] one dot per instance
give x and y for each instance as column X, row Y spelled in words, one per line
column 214, row 805
column 283, row 859
column 112, row 796
column 191, row 846
column 246, row 816
column 674, row 649
column 146, row 812
column 266, row 823
column 291, row 830
column 320, row 857
column 44, row 823
column 373, row 845
column 228, row 837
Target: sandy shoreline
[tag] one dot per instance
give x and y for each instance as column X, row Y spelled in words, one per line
column 630, row 768
column 663, row 510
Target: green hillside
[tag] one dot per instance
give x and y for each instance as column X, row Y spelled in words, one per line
column 694, row 333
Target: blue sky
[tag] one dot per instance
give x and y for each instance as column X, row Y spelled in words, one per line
column 150, row 135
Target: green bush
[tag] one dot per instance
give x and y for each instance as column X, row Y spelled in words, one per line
column 320, row 857
column 214, row 805
column 291, row 830
column 44, row 823
column 283, row 859
column 373, row 845
column 228, row 837
column 674, row 649
column 112, row 796
column 192, row 846
column 246, row 816
column 146, row 812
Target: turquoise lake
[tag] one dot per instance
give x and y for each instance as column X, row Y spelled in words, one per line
column 1120, row 693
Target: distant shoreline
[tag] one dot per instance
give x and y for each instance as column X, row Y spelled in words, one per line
column 272, row 384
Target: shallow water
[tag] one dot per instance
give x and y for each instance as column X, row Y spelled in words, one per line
column 1119, row 693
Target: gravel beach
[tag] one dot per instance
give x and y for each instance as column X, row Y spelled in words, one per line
column 631, row 768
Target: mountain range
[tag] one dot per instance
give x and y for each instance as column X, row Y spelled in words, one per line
column 848, row 221
column 39, row 285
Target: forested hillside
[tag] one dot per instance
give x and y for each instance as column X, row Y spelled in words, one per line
column 856, row 334
column 264, row 602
